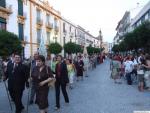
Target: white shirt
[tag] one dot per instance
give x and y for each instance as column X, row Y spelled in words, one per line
column 86, row 61
column 135, row 62
column 129, row 65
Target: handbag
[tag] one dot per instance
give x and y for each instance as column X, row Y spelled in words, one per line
column 53, row 80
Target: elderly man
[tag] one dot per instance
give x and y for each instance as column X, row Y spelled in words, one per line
column 17, row 75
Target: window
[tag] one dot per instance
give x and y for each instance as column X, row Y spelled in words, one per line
column 2, row 3
column 2, row 26
column 70, row 40
column 64, row 25
column 55, row 22
column 75, row 33
column 48, row 37
column 20, row 7
column 38, row 15
column 2, row 23
column 38, row 35
column 149, row 14
column 143, row 19
column 47, row 18
column 70, row 28
column 21, row 32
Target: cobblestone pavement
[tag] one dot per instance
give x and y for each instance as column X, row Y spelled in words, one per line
column 96, row 94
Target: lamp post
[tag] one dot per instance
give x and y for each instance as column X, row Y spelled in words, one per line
column 64, row 41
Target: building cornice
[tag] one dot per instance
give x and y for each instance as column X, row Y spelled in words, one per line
column 46, row 7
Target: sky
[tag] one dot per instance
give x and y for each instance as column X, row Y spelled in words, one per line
column 94, row 15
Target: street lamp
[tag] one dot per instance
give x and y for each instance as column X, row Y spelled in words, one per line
column 64, row 41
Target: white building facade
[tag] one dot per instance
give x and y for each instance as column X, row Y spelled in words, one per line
column 68, row 31
column 32, row 21
column 122, row 28
column 142, row 16
column 36, row 20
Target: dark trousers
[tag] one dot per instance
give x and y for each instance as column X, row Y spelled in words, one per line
column 16, row 95
column 58, row 84
column 129, row 80
column 11, row 93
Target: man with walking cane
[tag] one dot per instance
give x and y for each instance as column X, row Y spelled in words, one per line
column 2, row 75
column 17, row 75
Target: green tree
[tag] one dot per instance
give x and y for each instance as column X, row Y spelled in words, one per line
column 54, row 48
column 78, row 49
column 115, row 48
column 122, row 46
column 70, row 48
column 96, row 50
column 9, row 43
column 90, row 50
column 142, row 34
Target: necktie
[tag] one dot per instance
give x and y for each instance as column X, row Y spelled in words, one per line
column 15, row 66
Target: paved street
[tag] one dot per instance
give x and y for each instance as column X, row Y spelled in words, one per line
column 96, row 94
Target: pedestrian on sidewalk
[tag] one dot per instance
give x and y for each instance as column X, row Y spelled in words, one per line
column 17, row 75
column 61, row 81
column 86, row 64
column 140, row 74
column 115, row 68
column 9, row 63
column 147, row 72
column 42, row 75
column 129, row 66
column 1, row 69
column 53, row 64
column 80, row 68
column 71, row 72
column 48, row 60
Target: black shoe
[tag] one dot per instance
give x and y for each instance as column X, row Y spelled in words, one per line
column 20, row 110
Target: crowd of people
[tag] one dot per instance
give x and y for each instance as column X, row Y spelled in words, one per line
column 39, row 73
column 133, row 68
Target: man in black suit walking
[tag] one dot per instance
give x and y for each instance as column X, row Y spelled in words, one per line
column 17, row 75
column 61, row 81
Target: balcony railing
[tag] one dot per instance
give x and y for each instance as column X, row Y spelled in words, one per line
column 71, row 34
column 23, row 17
column 49, row 25
column 39, row 21
column 7, row 9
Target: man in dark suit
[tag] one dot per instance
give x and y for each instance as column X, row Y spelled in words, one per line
column 17, row 75
column 10, row 64
column 61, row 81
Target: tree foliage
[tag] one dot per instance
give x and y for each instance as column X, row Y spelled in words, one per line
column 92, row 50
column 138, row 38
column 54, row 48
column 70, row 47
column 9, row 43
